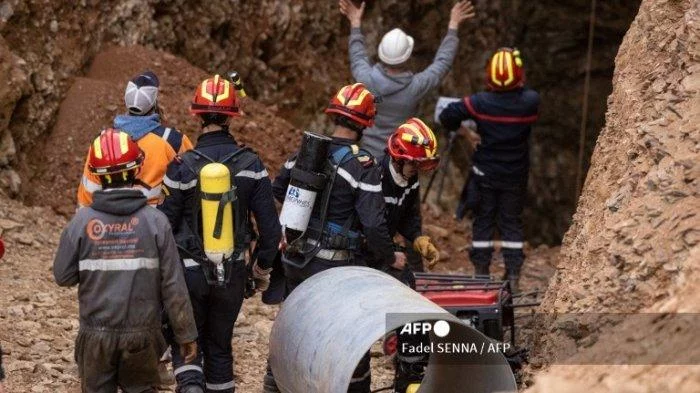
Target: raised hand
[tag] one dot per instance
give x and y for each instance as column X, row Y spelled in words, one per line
column 352, row 12
column 461, row 11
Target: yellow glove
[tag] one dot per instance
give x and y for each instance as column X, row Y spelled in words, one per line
column 425, row 247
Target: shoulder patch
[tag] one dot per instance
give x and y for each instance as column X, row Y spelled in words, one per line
column 365, row 160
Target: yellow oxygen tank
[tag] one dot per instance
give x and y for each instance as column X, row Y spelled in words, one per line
column 413, row 388
column 215, row 184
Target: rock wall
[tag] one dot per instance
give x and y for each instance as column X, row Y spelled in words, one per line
column 293, row 55
column 82, row 115
column 634, row 244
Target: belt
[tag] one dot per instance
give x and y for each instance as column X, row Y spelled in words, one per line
column 330, row 255
column 192, row 263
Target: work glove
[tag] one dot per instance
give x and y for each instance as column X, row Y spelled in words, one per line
column 425, row 247
column 189, row 351
column 261, row 277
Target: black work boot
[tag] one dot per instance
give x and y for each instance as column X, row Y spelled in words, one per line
column 190, row 389
column 481, row 270
column 407, row 374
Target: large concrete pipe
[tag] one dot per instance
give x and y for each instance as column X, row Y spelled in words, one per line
column 332, row 319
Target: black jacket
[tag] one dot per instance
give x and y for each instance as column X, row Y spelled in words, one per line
column 504, row 122
column 402, row 199
column 253, row 191
column 356, row 191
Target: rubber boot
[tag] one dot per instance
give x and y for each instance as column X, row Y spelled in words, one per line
column 190, row 389
column 481, row 270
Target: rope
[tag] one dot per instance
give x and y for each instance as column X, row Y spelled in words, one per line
column 584, row 109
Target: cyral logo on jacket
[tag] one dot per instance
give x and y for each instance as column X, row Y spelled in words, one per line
column 96, row 229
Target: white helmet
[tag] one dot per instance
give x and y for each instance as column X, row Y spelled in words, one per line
column 141, row 93
column 396, row 47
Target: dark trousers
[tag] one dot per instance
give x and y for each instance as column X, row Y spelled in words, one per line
column 215, row 311
column 108, row 360
column 361, row 377
column 499, row 207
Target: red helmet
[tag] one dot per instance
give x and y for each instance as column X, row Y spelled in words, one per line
column 414, row 141
column 215, row 95
column 505, row 70
column 113, row 151
column 354, row 102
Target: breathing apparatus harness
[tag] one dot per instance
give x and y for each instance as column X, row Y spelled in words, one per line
column 218, row 273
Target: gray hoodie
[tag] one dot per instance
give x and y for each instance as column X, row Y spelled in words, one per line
column 122, row 253
column 398, row 95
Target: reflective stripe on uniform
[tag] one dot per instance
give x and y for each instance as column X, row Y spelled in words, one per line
column 289, row 164
column 118, row 264
column 152, row 193
column 482, row 244
column 507, row 244
column 502, row 243
column 358, row 184
column 220, row 386
column 90, row 185
column 477, row 171
column 166, row 133
column 399, row 201
column 177, row 185
column 253, row 175
column 188, row 367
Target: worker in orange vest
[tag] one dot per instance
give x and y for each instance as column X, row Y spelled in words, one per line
column 159, row 143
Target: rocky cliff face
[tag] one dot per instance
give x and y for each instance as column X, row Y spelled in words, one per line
column 293, row 55
column 634, row 243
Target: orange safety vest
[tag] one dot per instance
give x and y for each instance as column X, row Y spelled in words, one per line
column 158, row 151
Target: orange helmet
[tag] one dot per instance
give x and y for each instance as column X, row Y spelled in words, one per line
column 215, row 95
column 505, row 70
column 354, row 102
column 114, row 152
column 414, row 141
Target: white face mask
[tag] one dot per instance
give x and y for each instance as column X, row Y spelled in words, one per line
column 396, row 176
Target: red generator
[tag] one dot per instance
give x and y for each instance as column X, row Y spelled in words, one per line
column 481, row 302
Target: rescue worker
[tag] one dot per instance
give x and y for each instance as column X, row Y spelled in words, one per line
column 217, row 304
column 412, row 148
column 123, row 257
column 159, row 143
column 398, row 90
column 504, row 116
column 355, row 203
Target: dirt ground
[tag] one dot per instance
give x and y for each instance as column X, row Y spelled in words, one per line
column 39, row 319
